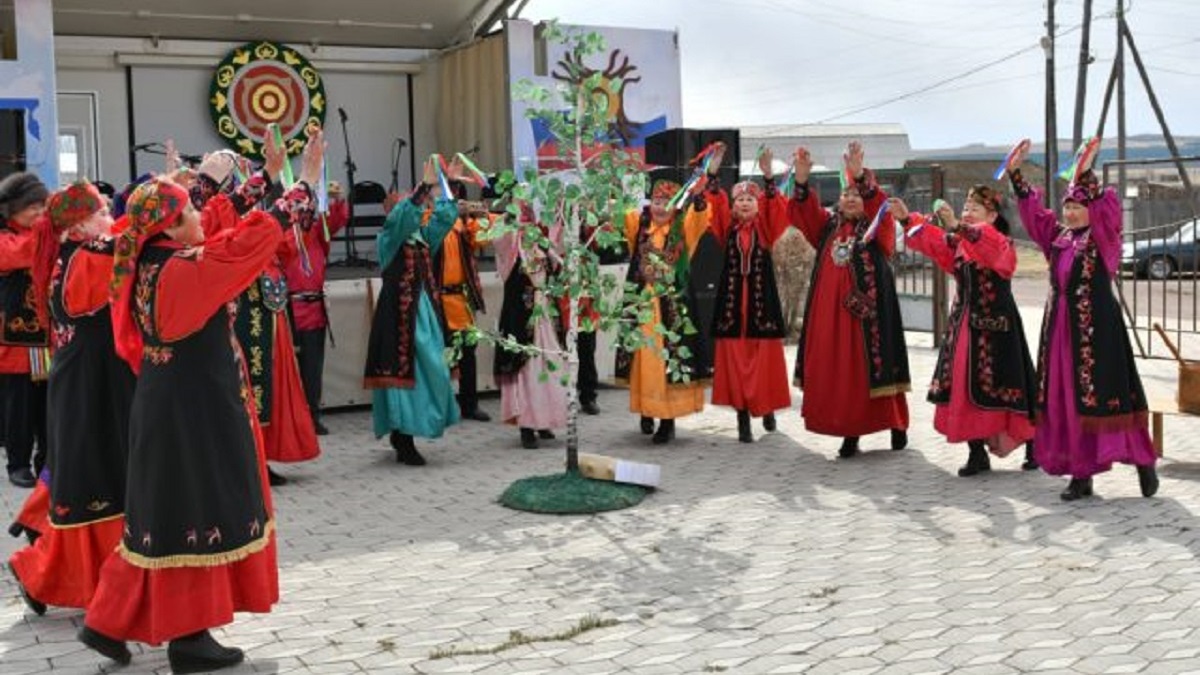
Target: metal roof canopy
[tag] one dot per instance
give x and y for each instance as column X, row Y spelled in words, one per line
column 423, row 24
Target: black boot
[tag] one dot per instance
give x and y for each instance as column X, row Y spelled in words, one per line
column 406, row 450
column 116, row 650
column 849, row 447
column 545, row 434
column 899, row 439
column 200, row 653
column 647, row 425
column 1030, row 463
column 769, row 422
column 977, row 461
column 1148, row 480
column 744, row 434
column 529, row 439
column 36, row 606
column 665, row 433
column 275, row 479
column 1078, row 488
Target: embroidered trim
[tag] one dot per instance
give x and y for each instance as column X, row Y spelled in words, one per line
column 200, row 559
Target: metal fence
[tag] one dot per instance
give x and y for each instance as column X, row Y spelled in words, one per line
column 1160, row 256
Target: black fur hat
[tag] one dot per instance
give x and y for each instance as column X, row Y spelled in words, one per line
column 19, row 191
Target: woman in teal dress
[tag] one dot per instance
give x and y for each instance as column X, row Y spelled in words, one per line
column 406, row 367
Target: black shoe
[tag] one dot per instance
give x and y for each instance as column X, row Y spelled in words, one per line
column 22, row 478
column 116, row 650
column 16, row 529
column 275, row 479
column 849, row 447
column 406, row 451
column 899, row 439
column 1030, row 463
column 546, row 434
column 665, row 433
column 529, row 439
column 744, row 433
column 1148, row 480
column 769, row 422
column 589, row 408
column 1078, row 488
column 647, row 425
column 977, row 461
column 477, row 414
column 36, row 606
column 200, row 653
column 321, row 430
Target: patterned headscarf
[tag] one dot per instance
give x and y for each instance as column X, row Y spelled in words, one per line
column 664, row 189
column 64, row 209
column 746, row 187
column 153, row 207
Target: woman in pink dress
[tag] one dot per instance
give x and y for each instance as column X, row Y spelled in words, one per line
column 1091, row 408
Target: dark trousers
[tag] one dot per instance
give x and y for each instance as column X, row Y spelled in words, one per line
column 586, row 380
column 310, row 356
column 24, row 410
column 468, row 387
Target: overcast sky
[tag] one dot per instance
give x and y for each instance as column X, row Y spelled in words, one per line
column 807, row 61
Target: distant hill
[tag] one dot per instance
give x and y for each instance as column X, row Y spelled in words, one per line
column 1144, row 146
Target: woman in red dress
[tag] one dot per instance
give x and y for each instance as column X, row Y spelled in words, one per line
column 984, row 385
column 749, row 371
column 852, row 360
column 199, row 537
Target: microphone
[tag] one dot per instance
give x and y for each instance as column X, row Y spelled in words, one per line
column 342, row 113
column 143, row 146
column 402, row 142
column 474, row 150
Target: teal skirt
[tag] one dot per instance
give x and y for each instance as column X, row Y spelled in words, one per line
column 429, row 406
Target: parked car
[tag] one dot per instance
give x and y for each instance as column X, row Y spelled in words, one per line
column 1163, row 257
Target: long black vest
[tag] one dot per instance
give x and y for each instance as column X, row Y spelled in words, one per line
column 671, row 306
column 516, row 317
column 19, row 323
column 258, row 306
column 764, row 318
column 1000, row 369
column 195, row 496
column 874, row 303
column 88, row 401
column 391, row 347
column 1108, row 389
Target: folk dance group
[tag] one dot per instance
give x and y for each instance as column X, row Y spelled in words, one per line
column 173, row 374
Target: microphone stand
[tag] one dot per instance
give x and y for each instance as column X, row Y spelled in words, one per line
column 352, row 259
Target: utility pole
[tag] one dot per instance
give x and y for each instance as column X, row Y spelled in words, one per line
column 1085, row 60
column 1119, row 66
column 1051, row 109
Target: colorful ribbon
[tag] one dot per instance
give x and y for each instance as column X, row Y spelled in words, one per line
column 870, row 233
column 789, row 182
column 447, row 193
column 1084, row 156
column 287, row 177
column 704, row 161
column 478, row 177
column 1003, row 168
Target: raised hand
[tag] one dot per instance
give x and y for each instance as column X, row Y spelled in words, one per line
column 274, row 157
column 171, row 163
column 429, row 176
column 313, row 158
column 854, row 159
column 898, row 208
column 765, row 163
column 455, row 169
column 802, row 160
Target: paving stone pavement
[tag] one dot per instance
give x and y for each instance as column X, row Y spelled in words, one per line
column 775, row 557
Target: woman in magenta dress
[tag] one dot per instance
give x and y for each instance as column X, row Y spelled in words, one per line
column 1091, row 408
column 984, row 384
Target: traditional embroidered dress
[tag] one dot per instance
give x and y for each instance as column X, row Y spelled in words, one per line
column 1092, row 410
column 462, row 296
column 34, row 516
column 852, row 360
column 749, row 371
column 665, row 249
column 984, row 384
column 199, row 539
column 265, row 333
column 90, row 394
column 406, row 366
column 525, row 399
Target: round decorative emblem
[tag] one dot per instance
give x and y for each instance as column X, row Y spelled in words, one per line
column 263, row 82
column 843, row 248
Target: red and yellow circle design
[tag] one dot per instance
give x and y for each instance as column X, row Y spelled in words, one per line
column 260, row 83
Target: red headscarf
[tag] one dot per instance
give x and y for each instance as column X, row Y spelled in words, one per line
column 64, row 209
column 664, row 189
column 153, row 207
column 745, row 187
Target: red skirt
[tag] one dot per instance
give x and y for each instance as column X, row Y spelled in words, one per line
column 291, row 435
column 35, row 512
column 960, row 420
column 751, row 374
column 63, row 567
column 159, row 605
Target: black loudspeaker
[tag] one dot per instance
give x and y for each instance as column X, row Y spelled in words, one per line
column 673, row 147
column 732, row 138
column 12, row 142
column 680, row 174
